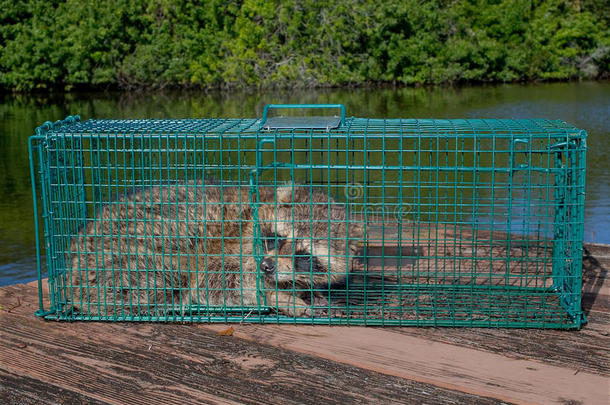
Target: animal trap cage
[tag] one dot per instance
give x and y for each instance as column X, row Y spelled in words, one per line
column 312, row 219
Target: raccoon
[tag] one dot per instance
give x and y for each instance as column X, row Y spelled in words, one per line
column 192, row 244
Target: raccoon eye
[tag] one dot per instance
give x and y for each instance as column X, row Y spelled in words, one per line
column 305, row 262
column 273, row 242
column 302, row 263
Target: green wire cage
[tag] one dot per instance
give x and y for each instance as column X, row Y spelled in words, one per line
column 312, row 218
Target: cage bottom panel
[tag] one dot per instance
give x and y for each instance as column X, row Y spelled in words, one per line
column 417, row 305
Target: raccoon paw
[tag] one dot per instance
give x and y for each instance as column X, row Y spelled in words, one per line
column 305, row 312
column 318, row 307
column 303, row 306
column 315, row 312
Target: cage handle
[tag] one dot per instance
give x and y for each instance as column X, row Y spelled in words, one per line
column 311, row 123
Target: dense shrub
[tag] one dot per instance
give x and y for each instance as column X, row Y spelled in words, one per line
column 67, row 44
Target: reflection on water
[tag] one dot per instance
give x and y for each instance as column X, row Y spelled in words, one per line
column 585, row 105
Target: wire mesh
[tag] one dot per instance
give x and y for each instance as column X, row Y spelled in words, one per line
column 374, row 222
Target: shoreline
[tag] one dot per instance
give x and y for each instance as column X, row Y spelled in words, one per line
column 190, row 89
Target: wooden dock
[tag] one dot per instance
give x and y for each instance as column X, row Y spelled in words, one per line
column 60, row 362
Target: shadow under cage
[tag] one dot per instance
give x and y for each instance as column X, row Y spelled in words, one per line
column 312, row 219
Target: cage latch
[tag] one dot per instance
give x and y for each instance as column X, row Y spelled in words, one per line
column 513, row 166
column 565, row 146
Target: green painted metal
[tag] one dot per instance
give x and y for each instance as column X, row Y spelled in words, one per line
column 294, row 122
column 475, row 223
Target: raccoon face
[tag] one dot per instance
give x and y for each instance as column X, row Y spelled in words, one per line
column 291, row 260
column 307, row 238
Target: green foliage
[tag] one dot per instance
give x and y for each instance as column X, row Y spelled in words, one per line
column 67, row 44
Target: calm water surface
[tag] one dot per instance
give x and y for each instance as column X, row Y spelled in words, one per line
column 585, row 105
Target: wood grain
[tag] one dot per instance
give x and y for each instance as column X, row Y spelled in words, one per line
column 584, row 350
column 441, row 364
column 181, row 364
column 24, row 390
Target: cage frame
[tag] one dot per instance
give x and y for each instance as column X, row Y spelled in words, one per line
column 566, row 146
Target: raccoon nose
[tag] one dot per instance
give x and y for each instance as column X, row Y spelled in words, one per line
column 268, row 266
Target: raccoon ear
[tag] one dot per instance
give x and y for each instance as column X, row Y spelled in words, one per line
column 285, row 193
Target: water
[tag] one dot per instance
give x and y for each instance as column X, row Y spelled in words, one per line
column 585, row 105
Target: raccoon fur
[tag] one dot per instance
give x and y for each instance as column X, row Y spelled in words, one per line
column 174, row 246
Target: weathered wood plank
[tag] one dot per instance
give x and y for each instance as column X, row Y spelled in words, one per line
column 584, row 350
column 92, row 368
column 445, row 365
column 20, row 389
column 172, row 363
